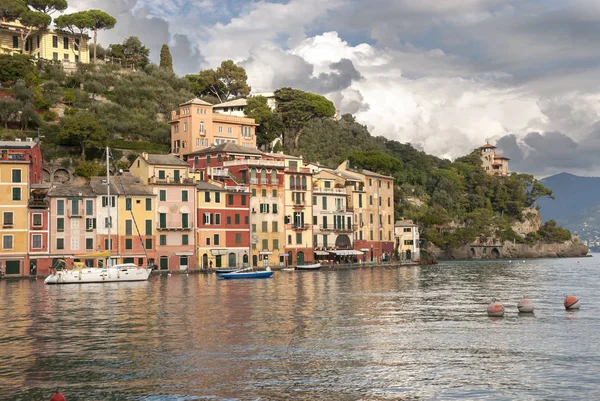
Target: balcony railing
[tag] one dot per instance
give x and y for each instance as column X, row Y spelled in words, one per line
column 220, row 172
column 38, row 203
column 254, row 162
column 302, row 204
column 74, row 213
column 173, row 227
column 322, row 190
column 300, row 227
column 337, row 229
column 170, row 180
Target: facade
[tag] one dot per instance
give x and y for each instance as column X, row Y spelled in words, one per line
column 492, row 162
column 406, row 234
column 298, row 219
column 372, row 201
column 175, row 191
column 195, row 127
column 39, row 230
column 20, row 172
column 47, row 44
column 236, row 107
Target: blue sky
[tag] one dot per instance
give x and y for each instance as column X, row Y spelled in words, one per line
column 442, row 75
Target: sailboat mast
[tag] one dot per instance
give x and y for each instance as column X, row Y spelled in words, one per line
column 109, row 247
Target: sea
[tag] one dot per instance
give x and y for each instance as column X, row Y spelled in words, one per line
column 378, row 333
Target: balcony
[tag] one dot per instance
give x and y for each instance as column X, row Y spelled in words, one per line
column 254, row 162
column 300, row 205
column 74, row 213
column 300, row 227
column 337, row 229
column 322, row 190
column 219, row 172
column 7, row 224
column 169, row 180
column 172, row 227
column 38, row 203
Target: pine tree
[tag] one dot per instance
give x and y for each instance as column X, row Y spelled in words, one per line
column 166, row 61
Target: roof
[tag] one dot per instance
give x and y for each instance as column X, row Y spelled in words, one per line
column 196, row 101
column 71, row 190
column 372, row 174
column 348, row 175
column 17, row 144
column 125, row 184
column 205, row 186
column 404, row 223
column 487, row 146
column 228, row 147
column 497, row 156
column 165, row 160
column 232, row 103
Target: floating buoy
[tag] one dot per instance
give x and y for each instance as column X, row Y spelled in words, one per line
column 525, row 306
column 571, row 302
column 58, row 397
column 495, row 309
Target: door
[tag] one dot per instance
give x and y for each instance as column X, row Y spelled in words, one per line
column 254, row 260
column 33, row 267
column 408, row 255
column 205, row 261
column 164, row 263
column 218, row 263
column 183, row 262
column 231, row 260
column 176, row 175
column 13, row 267
column 300, row 257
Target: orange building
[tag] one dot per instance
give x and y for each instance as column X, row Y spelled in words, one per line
column 492, row 162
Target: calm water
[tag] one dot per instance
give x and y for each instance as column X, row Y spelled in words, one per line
column 374, row 334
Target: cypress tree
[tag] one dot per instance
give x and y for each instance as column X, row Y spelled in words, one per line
column 166, row 61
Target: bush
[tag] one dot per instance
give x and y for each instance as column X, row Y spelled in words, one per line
column 15, row 67
column 50, row 116
column 149, row 147
column 89, row 169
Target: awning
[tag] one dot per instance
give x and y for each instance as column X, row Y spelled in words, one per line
column 104, row 254
column 216, row 252
column 284, row 254
column 265, row 253
column 346, row 252
column 321, row 253
column 184, row 253
column 365, row 249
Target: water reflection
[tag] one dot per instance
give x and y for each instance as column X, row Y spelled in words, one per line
column 377, row 333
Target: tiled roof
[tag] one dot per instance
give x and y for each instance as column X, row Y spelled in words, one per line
column 165, row 160
column 71, row 190
column 487, row 146
column 125, row 184
column 196, row 101
column 404, row 223
column 17, row 144
column 497, row 156
column 232, row 103
column 205, row 186
column 228, row 147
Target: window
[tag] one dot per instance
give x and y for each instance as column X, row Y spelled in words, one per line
column 207, row 196
column 16, row 194
column 148, row 204
column 89, row 207
column 265, row 244
column 289, row 240
column 275, row 227
column 107, row 245
column 108, row 222
column 228, row 220
column 37, row 219
column 184, row 195
column 7, row 219
column 75, row 46
column 360, row 200
column 55, row 56
column 324, row 207
column 265, row 227
column 185, row 239
column 219, row 158
column 55, row 41
column 230, row 199
column 229, row 130
column 370, row 182
column 60, row 207
column 217, row 197
column 128, row 243
column 16, row 175
column 275, row 244
column 315, row 222
column 15, row 42
column 371, row 200
column 243, row 200
column 184, row 127
column 127, row 203
column 253, row 191
column 274, row 208
column 237, row 218
column 389, row 201
column 324, row 222
column 105, row 201
column 185, row 220
column 163, row 240
column 60, row 224
column 60, row 243
column 148, row 243
column 246, row 220
column 274, row 193
column 128, row 227
column 264, row 192
column 89, row 243
column 216, row 239
column 298, row 238
column 66, row 43
column 220, row 129
column 148, row 227
column 238, row 238
column 162, row 195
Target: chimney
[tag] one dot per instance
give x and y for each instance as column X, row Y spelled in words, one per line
column 145, row 155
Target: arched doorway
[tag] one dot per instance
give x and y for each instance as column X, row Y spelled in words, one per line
column 245, row 258
column 473, row 252
column 205, row 261
column 300, row 258
column 495, row 253
column 343, row 242
column 254, row 260
column 231, row 260
column 408, row 255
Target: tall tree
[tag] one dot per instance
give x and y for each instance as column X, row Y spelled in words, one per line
column 227, row 81
column 166, row 60
column 83, row 129
column 77, row 23
column 270, row 124
column 298, row 108
column 32, row 20
column 48, row 6
column 10, row 10
column 100, row 21
column 135, row 52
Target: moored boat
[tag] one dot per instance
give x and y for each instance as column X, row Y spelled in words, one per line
column 314, row 266
column 246, row 273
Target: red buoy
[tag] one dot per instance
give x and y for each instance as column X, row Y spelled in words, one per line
column 58, row 397
column 495, row 309
column 571, row 302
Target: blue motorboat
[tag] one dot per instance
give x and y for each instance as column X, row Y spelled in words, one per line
column 244, row 273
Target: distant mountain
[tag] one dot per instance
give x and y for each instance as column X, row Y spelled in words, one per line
column 577, row 205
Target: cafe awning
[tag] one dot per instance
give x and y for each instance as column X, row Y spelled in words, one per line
column 346, row 252
column 321, row 253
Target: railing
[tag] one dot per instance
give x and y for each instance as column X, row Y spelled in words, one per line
column 76, row 213
column 254, row 181
column 38, row 203
column 172, row 227
column 264, row 181
column 220, row 172
column 253, row 162
column 299, row 227
column 337, row 229
column 169, row 180
column 299, row 205
column 329, row 190
column 237, row 188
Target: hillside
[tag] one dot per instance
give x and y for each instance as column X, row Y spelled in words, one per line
column 577, row 205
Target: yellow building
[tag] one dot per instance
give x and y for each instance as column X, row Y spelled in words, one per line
column 406, row 234
column 47, row 44
column 196, row 127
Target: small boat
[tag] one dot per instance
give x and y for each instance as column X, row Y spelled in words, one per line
column 314, row 266
column 246, row 274
column 221, row 271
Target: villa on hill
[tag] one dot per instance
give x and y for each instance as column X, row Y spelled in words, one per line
column 492, row 162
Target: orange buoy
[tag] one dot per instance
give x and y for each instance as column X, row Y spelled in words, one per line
column 525, row 306
column 58, row 397
column 495, row 309
column 571, row 302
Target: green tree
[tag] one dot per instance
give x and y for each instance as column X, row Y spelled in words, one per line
column 375, row 160
column 298, row 108
column 10, row 10
column 77, row 23
column 15, row 67
column 166, row 60
column 48, row 6
column 135, row 53
column 84, row 130
column 28, row 116
column 8, row 110
column 227, row 81
column 32, row 20
column 99, row 21
column 270, row 124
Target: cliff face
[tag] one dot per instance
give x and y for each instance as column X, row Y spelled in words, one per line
column 508, row 250
column 532, row 221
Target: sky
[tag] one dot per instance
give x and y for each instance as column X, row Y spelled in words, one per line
column 443, row 75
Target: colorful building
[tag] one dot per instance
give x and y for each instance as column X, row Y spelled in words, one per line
column 20, row 171
column 168, row 177
column 39, row 230
column 196, row 127
column 47, row 44
column 406, row 234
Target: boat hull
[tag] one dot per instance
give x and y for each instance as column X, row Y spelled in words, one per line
column 99, row 275
column 224, row 271
column 244, row 275
column 315, row 266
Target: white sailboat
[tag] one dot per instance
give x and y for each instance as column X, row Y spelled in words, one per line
column 80, row 273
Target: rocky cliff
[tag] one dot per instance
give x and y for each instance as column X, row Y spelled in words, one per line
column 508, row 250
